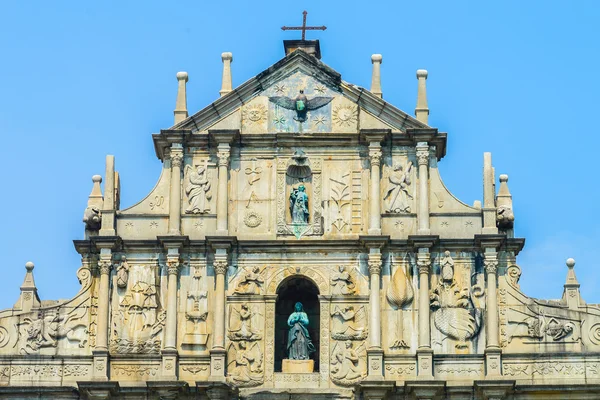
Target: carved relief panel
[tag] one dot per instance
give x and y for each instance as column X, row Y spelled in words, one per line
column 196, row 311
column 457, row 303
column 252, row 192
column 138, row 316
column 245, row 343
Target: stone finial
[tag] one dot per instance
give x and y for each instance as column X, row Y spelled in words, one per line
column 489, row 204
column 376, row 59
column 92, row 216
column 181, row 112
column 28, row 298
column 422, row 109
column 504, row 212
column 226, row 81
column 571, row 278
column 109, row 204
column 571, row 288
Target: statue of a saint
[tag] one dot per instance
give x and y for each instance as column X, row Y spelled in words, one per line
column 197, row 190
column 299, row 344
column 299, row 205
column 398, row 189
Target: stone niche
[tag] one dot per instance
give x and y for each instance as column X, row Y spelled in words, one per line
column 299, row 174
column 292, row 290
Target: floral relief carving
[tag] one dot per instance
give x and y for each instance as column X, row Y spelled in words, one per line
column 140, row 371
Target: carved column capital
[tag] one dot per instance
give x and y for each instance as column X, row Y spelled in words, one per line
column 375, row 266
column 223, row 156
column 490, row 265
column 176, row 157
column 220, row 267
column 423, row 154
column 173, row 265
column 375, row 156
column 424, row 263
column 105, row 265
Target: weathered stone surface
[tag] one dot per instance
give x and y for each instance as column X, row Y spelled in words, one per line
column 187, row 293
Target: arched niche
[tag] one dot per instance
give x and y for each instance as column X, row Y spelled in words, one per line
column 291, row 172
column 292, row 290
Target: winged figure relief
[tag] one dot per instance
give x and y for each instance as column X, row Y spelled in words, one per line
column 301, row 104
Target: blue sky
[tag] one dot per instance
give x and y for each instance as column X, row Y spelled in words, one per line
column 79, row 81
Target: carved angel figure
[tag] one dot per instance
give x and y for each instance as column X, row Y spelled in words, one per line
column 343, row 282
column 197, row 190
column 250, row 283
column 301, row 104
column 348, row 323
column 454, row 313
column 398, row 189
column 245, row 364
column 348, row 364
column 241, row 324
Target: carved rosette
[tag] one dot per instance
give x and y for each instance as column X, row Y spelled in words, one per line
column 423, row 155
column 220, row 267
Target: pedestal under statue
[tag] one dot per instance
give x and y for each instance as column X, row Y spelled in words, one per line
column 299, row 345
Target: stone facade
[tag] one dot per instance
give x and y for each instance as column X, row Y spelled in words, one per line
column 410, row 292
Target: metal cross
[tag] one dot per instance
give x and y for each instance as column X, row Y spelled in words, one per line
column 303, row 28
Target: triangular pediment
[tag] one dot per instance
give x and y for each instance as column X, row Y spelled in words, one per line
column 268, row 103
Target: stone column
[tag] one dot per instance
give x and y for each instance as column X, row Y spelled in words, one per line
column 374, row 197
column 169, row 353
column 490, row 263
column 423, row 161
column 218, row 345
column 100, row 370
column 223, row 154
column 493, row 353
column 374, row 298
column 374, row 352
column 424, row 352
column 104, row 265
column 175, row 193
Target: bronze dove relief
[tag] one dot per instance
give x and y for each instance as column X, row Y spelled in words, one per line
column 301, row 104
